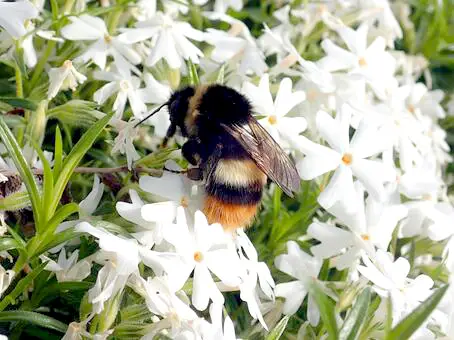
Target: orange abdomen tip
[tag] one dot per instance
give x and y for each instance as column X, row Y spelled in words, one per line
column 231, row 216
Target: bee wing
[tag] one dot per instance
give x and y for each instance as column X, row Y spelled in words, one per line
column 266, row 154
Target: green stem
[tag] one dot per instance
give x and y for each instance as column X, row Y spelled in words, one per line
column 68, row 6
column 19, row 85
column 113, row 22
column 19, row 90
column 42, row 62
column 21, row 261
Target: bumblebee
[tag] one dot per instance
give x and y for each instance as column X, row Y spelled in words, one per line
column 234, row 153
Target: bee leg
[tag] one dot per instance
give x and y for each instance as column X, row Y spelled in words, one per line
column 195, row 174
column 191, row 151
column 170, row 132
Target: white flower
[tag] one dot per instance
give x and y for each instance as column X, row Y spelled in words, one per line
column 236, row 46
column 123, row 143
column 78, row 330
column 222, row 5
column 14, row 14
column 176, row 189
column 154, row 91
column 255, row 272
column 381, row 19
column 6, row 276
column 3, row 225
column 276, row 121
column 68, row 269
column 370, row 226
column 89, row 204
column 390, row 279
column 91, row 28
column 144, row 9
column 170, row 38
column 161, row 300
column 64, row 77
column 149, row 232
column 305, row 269
column 441, row 217
column 404, row 129
column 30, row 56
column 348, row 158
column 203, row 250
column 314, row 13
column 121, row 258
column 371, row 62
column 216, row 329
column 125, row 86
column 422, row 101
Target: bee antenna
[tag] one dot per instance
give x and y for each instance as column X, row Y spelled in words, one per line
column 151, row 114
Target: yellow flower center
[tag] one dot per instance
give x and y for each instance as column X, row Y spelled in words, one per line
column 107, row 38
column 322, row 9
column 427, row 197
column 289, row 61
column 411, row 108
column 235, row 29
column 124, row 85
column 198, row 256
column 67, row 64
column 365, row 237
column 184, row 202
column 347, row 158
column 362, row 62
column 311, row 95
column 272, row 119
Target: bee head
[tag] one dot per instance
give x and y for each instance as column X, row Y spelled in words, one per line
column 178, row 105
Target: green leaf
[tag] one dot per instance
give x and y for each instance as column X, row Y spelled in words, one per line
column 15, row 201
column 58, row 153
column 221, row 75
column 351, row 329
column 157, row 158
column 75, row 156
column 48, row 186
column 36, row 125
column 21, row 286
column 405, row 328
column 193, row 75
column 20, row 102
column 48, row 235
column 33, row 318
column 326, row 308
column 24, row 170
column 7, row 243
column 80, row 113
column 56, row 240
column 53, row 291
column 134, row 313
column 277, row 331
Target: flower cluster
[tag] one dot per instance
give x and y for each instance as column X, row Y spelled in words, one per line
column 326, row 82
